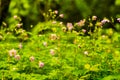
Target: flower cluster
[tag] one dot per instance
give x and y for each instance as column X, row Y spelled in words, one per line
column 13, row 52
column 81, row 23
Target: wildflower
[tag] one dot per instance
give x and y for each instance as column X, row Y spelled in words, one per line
column 94, row 18
column 15, row 16
column 53, row 36
column 61, row 15
column 41, row 64
column 81, row 23
column 105, row 21
column 118, row 19
column 69, row 26
column 20, row 46
column 32, row 58
column 12, row 52
column 17, row 57
column 52, row 51
column 83, row 30
column 19, row 25
column 56, row 11
column 45, row 44
column 86, row 52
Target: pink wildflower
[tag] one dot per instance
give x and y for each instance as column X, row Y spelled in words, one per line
column 118, row 19
column 81, row 23
column 41, row 64
column 52, row 51
column 105, row 21
column 12, row 52
column 69, row 26
column 19, row 25
column 56, row 11
column 83, row 30
column 61, row 15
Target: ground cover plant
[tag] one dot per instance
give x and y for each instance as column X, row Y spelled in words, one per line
column 84, row 50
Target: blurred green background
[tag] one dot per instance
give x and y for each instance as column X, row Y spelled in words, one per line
column 31, row 11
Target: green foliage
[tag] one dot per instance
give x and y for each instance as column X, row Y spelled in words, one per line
column 83, row 7
column 117, row 2
column 54, row 51
column 33, row 11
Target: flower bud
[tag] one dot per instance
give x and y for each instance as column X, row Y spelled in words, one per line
column 94, row 18
column 52, row 51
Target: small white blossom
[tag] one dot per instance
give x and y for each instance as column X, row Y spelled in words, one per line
column 86, row 52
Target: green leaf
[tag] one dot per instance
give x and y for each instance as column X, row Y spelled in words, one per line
column 117, row 2
column 83, row 7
